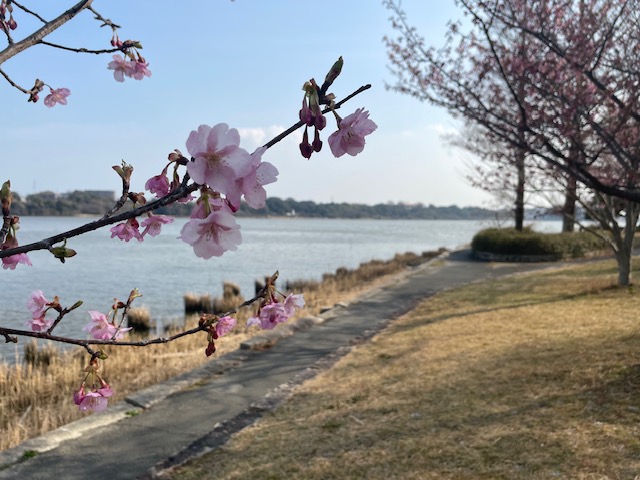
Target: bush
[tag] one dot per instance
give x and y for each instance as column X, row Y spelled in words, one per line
column 554, row 246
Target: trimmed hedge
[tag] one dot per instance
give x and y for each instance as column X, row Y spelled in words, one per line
column 510, row 242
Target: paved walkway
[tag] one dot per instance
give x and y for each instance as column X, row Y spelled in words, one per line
column 169, row 423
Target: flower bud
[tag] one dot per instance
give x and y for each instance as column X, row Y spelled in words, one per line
column 5, row 195
column 305, row 147
column 62, row 253
column 333, row 73
column 317, row 143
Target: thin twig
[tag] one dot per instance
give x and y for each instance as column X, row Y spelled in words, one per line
column 26, row 10
column 80, row 49
column 12, row 83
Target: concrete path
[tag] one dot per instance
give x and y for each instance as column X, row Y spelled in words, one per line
column 165, row 425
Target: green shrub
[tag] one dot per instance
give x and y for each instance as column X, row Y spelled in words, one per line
column 509, row 241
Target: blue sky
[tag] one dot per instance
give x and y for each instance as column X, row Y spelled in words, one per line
column 242, row 63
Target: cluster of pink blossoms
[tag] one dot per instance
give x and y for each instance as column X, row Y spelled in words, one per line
column 131, row 228
column 136, row 69
column 95, row 399
column 272, row 312
column 101, row 328
column 94, row 392
column 38, row 305
column 225, row 169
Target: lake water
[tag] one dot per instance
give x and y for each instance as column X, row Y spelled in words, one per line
column 164, row 268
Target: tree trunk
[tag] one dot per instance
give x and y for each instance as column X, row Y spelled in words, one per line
column 569, row 207
column 519, row 203
column 624, row 251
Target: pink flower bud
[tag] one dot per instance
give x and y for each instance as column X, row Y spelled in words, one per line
column 305, row 147
column 317, row 143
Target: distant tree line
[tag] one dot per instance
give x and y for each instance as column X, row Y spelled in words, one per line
column 99, row 202
column 68, row 204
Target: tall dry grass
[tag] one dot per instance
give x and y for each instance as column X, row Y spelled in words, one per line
column 36, row 397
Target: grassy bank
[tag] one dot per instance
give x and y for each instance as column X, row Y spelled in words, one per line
column 36, row 399
column 531, row 377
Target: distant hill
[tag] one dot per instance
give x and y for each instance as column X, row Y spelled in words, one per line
column 86, row 202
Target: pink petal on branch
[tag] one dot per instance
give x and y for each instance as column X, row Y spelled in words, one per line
column 59, row 95
column 39, row 324
column 120, row 67
column 153, row 224
column 158, row 185
column 214, row 234
column 252, row 184
column 139, row 70
column 293, row 302
column 218, row 159
column 12, row 261
column 127, row 230
column 37, row 303
column 101, row 329
column 94, row 400
column 270, row 315
column 349, row 138
column 225, row 325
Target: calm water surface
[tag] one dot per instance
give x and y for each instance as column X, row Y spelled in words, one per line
column 164, row 268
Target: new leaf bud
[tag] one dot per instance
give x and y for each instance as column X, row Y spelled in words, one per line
column 333, row 73
column 5, row 195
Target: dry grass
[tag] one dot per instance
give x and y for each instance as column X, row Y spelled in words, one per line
column 532, row 377
column 35, row 397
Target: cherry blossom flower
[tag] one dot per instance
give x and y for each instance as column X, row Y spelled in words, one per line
column 159, row 185
column 127, row 230
column 252, row 184
column 101, row 328
column 218, row 159
column 153, row 224
column 274, row 312
column 79, row 395
column 306, row 149
column 37, row 303
column 305, row 114
column 292, row 302
column 349, row 138
column 59, row 95
column 12, row 261
column 212, row 229
column 120, row 67
column 94, row 400
column 225, row 325
column 39, row 324
column 269, row 316
column 139, row 70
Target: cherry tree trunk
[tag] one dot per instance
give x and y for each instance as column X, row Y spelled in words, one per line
column 624, row 250
column 569, row 207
